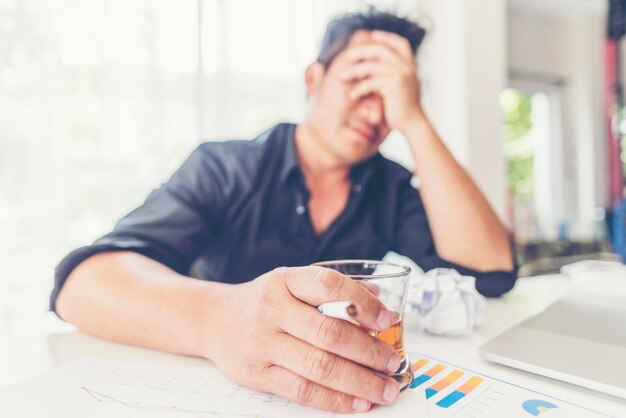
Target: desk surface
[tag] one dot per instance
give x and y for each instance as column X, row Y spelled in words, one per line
column 27, row 356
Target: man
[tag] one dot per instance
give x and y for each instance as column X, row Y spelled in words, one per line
column 236, row 211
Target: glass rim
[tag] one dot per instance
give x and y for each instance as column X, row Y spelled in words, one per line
column 406, row 270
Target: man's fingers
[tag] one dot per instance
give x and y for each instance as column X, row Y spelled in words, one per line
column 373, row 52
column 340, row 337
column 373, row 288
column 285, row 383
column 397, row 43
column 315, row 285
column 364, row 88
column 365, row 69
column 332, row 371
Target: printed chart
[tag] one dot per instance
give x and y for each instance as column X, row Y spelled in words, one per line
column 454, row 391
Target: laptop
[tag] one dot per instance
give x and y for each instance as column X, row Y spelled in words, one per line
column 580, row 339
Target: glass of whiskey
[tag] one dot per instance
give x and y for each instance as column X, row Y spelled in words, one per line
column 391, row 281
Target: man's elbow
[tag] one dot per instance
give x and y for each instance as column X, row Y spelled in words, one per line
column 69, row 295
column 502, row 261
column 73, row 297
column 496, row 283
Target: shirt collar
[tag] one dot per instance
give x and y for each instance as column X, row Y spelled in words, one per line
column 290, row 161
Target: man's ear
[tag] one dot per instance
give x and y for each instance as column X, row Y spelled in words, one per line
column 313, row 77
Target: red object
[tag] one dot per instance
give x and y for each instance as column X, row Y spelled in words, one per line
column 612, row 117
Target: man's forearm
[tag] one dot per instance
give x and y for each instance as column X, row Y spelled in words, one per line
column 129, row 298
column 465, row 228
column 264, row 334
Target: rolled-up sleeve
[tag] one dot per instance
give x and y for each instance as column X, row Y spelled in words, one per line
column 413, row 239
column 172, row 226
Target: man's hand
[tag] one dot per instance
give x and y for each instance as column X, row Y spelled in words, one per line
column 272, row 338
column 386, row 67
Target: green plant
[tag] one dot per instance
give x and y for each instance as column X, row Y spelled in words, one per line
column 518, row 146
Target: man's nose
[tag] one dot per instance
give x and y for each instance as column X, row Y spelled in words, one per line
column 371, row 109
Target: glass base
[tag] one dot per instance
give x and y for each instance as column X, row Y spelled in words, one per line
column 404, row 375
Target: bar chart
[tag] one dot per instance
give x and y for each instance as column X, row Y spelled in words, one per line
column 436, row 377
column 455, row 391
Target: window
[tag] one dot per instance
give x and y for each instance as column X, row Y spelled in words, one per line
column 534, row 177
column 100, row 100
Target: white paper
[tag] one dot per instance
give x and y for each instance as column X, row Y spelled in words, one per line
column 103, row 388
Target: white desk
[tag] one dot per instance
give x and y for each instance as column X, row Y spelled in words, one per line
column 22, row 357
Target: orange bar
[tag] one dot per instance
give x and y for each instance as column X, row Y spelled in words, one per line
column 419, row 363
column 468, row 386
column 434, row 370
column 445, row 382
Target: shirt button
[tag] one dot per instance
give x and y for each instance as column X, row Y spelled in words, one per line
column 357, row 188
column 300, row 209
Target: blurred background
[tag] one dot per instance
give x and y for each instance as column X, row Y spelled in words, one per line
column 100, row 100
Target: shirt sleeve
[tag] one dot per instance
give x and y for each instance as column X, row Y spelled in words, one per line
column 413, row 239
column 175, row 222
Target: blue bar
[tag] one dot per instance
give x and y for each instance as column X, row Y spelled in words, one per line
column 419, row 380
column 450, row 400
column 430, row 393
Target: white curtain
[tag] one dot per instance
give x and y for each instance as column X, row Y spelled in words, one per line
column 100, row 100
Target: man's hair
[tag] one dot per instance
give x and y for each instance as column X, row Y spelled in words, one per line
column 341, row 29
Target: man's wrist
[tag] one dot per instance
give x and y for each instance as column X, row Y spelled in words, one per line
column 416, row 128
column 211, row 310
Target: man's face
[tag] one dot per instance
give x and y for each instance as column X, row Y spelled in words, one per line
column 351, row 130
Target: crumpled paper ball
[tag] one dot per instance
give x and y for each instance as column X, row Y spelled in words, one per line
column 446, row 302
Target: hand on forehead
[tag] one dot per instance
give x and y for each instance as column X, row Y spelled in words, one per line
column 376, row 53
column 378, row 45
column 382, row 64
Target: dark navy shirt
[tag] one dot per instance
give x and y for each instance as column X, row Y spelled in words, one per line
column 237, row 209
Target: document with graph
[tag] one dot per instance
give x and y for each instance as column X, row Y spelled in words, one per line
column 455, row 391
column 105, row 388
